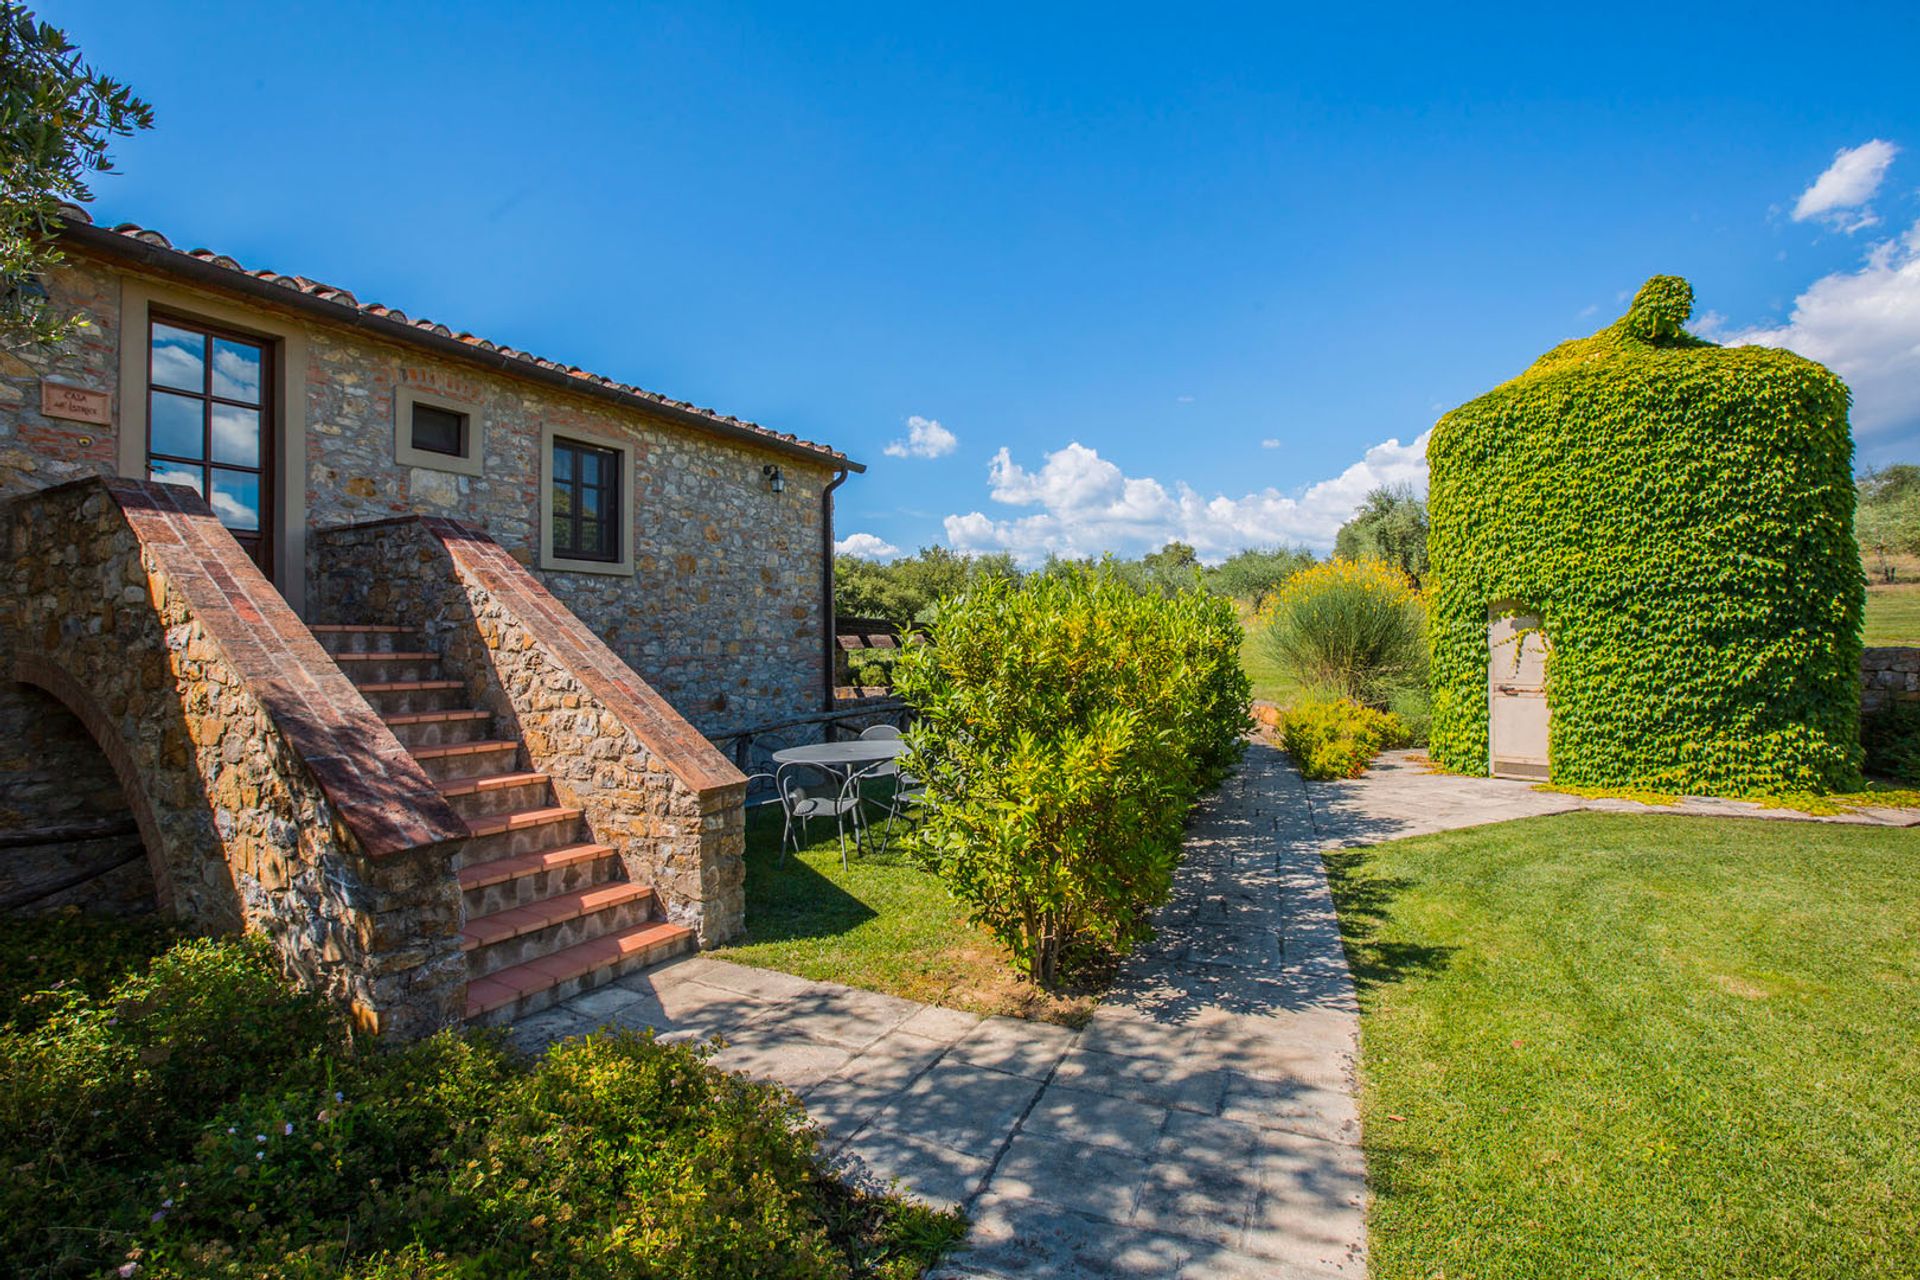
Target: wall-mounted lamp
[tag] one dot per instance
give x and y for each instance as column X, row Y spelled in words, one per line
column 776, row 483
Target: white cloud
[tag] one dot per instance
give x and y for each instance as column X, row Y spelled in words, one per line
column 1270, row 443
column 1839, row 196
column 926, row 438
column 1865, row 326
column 1085, row 505
column 868, row 546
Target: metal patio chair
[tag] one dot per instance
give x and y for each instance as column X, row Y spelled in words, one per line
column 809, row 791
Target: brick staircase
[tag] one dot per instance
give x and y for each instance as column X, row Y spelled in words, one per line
column 547, row 913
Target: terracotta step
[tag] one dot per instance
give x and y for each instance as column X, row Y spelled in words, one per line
column 490, row 794
column 441, row 728
column 392, row 697
column 389, row 668
column 459, row 761
column 524, row 934
column 504, row 883
column 339, row 639
column 501, row 835
column 522, row 989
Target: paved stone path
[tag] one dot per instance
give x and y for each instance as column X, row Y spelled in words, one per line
column 1202, row 1124
column 1400, row 796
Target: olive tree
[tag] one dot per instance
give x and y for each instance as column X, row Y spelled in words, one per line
column 57, row 115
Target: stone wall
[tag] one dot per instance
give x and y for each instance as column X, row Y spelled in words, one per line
column 35, row 450
column 1889, row 675
column 723, row 613
column 267, row 794
column 653, row 789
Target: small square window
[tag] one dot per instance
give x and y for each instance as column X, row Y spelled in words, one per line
column 437, row 430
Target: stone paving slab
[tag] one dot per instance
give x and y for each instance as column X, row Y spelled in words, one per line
column 1401, row 796
column 1202, row 1124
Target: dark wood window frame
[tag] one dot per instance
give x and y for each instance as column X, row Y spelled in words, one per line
column 259, row 543
column 463, row 432
column 570, row 540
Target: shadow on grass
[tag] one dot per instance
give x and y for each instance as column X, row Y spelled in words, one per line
column 788, row 899
column 1365, row 903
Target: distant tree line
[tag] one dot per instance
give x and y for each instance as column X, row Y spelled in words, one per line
column 1887, row 519
column 1389, row 526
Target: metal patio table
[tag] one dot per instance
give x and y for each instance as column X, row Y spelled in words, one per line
column 844, row 759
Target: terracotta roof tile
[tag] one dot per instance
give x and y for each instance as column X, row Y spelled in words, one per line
column 345, row 299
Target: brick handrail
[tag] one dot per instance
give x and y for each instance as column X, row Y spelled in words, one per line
column 379, row 791
column 681, row 748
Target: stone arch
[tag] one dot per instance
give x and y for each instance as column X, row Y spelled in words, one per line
column 40, row 672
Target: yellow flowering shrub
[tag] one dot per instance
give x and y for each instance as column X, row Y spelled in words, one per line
column 1350, row 629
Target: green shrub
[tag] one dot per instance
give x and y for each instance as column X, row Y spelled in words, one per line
column 1353, row 628
column 1338, row 738
column 101, row 1087
column 44, row 957
column 1065, row 726
column 208, row 1120
column 1680, row 517
column 1412, row 706
column 1891, row 737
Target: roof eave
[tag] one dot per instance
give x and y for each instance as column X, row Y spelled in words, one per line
column 172, row 262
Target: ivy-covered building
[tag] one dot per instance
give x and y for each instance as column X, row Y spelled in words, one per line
column 1644, row 567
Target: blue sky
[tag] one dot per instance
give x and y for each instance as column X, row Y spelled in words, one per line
column 1199, row 272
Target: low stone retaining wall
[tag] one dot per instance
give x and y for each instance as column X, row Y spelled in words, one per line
column 1889, row 675
column 268, row 795
column 652, row 787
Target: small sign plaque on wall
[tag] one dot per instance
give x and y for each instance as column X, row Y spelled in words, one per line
column 76, row 404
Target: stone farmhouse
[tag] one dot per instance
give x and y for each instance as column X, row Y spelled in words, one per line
column 392, row 644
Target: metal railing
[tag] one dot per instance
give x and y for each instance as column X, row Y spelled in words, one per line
column 873, row 710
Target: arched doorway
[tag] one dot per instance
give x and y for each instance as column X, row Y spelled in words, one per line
column 69, row 834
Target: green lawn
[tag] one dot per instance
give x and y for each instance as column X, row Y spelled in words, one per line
column 1893, row 614
column 1601, row 1045
column 884, row 924
column 1270, row 683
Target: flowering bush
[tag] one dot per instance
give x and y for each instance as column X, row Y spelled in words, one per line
column 1338, row 738
column 1065, row 725
column 206, row 1119
column 1348, row 629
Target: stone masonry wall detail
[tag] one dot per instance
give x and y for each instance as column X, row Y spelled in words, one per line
column 268, row 795
column 1888, row 675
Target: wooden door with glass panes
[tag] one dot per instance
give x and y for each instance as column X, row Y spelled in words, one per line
column 209, row 427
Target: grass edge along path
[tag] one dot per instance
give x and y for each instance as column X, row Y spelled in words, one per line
column 1598, row 1044
column 884, row 924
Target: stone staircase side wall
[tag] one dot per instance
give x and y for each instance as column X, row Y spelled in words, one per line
column 1889, row 675
column 652, row 787
column 268, row 795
